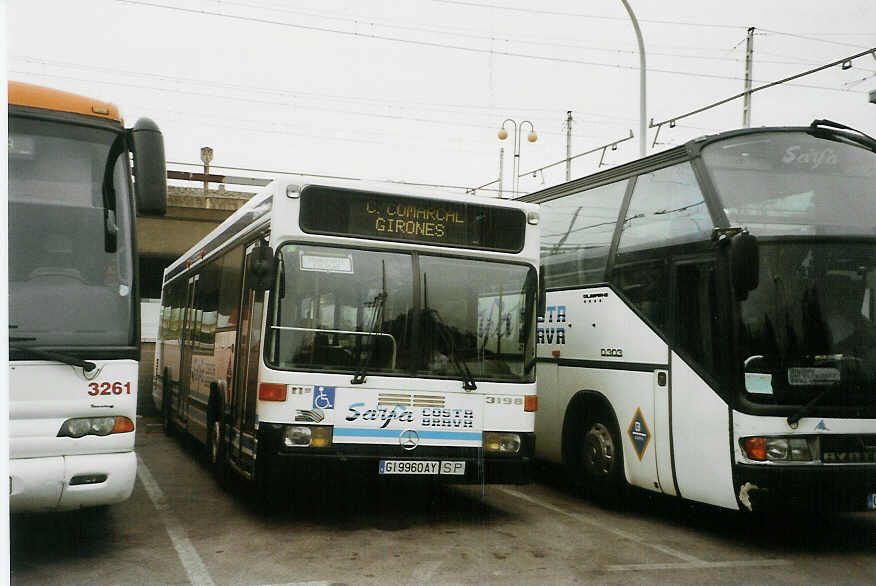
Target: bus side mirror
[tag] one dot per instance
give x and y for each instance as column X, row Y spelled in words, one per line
column 744, row 264
column 260, row 269
column 150, row 171
column 542, row 293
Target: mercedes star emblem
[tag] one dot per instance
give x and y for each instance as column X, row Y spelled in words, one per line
column 409, row 439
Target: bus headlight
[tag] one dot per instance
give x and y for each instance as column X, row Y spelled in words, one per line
column 307, row 436
column 82, row 426
column 779, row 449
column 503, row 443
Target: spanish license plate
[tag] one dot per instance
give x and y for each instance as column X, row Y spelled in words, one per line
column 422, row 467
column 871, row 501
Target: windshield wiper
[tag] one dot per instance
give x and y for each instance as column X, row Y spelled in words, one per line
column 376, row 319
column 56, row 356
column 468, row 381
column 819, row 129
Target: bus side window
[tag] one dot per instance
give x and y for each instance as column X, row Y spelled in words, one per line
column 644, row 286
column 577, row 232
column 696, row 316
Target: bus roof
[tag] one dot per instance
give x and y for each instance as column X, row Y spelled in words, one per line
column 34, row 96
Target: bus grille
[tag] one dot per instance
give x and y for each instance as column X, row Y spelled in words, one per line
column 408, row 400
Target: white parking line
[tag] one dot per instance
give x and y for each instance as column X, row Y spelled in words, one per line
column 191, row 561
column 689, row 561
column 698, row 566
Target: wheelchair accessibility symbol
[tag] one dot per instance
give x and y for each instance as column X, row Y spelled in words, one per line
column 324, row 397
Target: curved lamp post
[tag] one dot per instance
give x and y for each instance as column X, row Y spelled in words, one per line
column 531, row 137
column 642, row 70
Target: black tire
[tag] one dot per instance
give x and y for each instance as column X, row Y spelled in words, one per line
column 167, row 412
column 599, row 458
column 217, row 455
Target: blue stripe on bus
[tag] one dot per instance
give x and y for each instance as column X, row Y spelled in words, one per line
column 394, row 433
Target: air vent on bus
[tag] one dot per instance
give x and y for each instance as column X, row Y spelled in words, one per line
column 407, row 400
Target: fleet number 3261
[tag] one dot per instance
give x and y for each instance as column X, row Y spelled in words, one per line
column 108, row 388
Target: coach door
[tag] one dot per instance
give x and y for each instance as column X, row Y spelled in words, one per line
column 187, row 347
column 247, row 359
column 699, row 415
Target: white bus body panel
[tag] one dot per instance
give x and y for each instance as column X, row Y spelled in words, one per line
column 42, row 396
column 497, row 406
column 594, row 325
column 701, row 439
column 594, row 329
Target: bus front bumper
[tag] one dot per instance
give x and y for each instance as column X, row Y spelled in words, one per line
column 813, row 488
column 364, row 460
column 61, row 483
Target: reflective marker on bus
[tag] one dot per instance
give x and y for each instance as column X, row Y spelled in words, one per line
column 710, row 326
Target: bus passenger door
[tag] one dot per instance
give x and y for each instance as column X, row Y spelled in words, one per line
column 187, row 347
column 247, row 359
column 700, row 416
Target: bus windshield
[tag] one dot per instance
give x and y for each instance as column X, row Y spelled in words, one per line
column 793, row 183
column 391, row 313
column 810, row 324
column 70, row 261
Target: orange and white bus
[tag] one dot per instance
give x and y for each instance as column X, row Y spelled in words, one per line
column 73, row 295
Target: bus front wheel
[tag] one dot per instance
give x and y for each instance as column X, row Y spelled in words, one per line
column 600, row 459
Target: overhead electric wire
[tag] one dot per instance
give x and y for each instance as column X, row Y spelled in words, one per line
column 491, row 38
column 424, row 43
column 323, row 176
column 497, row 111
column 808, row 38
column 583, row 15
column 441, row 122
column 848, row 59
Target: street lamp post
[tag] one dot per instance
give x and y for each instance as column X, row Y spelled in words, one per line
column 206, row 158
column 642, row 75
column 531, row 137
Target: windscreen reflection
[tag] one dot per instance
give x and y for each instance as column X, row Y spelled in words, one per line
column 384, row 313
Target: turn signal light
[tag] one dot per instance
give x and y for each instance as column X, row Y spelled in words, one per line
column 530, row 403
column 123, row 425
column 272, row 392
column 755, row 448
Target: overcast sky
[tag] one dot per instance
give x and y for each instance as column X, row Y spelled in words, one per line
column 415, row 90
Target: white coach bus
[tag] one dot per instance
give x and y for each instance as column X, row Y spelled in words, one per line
column 709, row 330
column 324, row 327
column 73, row 295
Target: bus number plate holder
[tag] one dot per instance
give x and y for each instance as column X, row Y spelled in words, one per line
column 421, row 467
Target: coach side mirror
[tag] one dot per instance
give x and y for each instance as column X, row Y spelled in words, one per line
column 542, row 293
column 150, row 170
column 744, row 264
column 260, row 269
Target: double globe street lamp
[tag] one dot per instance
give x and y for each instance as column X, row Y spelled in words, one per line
column 531, row 137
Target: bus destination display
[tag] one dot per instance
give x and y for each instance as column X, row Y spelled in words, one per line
column 380, row 216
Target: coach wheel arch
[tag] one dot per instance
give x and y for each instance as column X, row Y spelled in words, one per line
column 592, row 446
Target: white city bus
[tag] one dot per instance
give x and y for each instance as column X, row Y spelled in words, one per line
column 323, row 327
column 73, row 296
column 709, row 330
